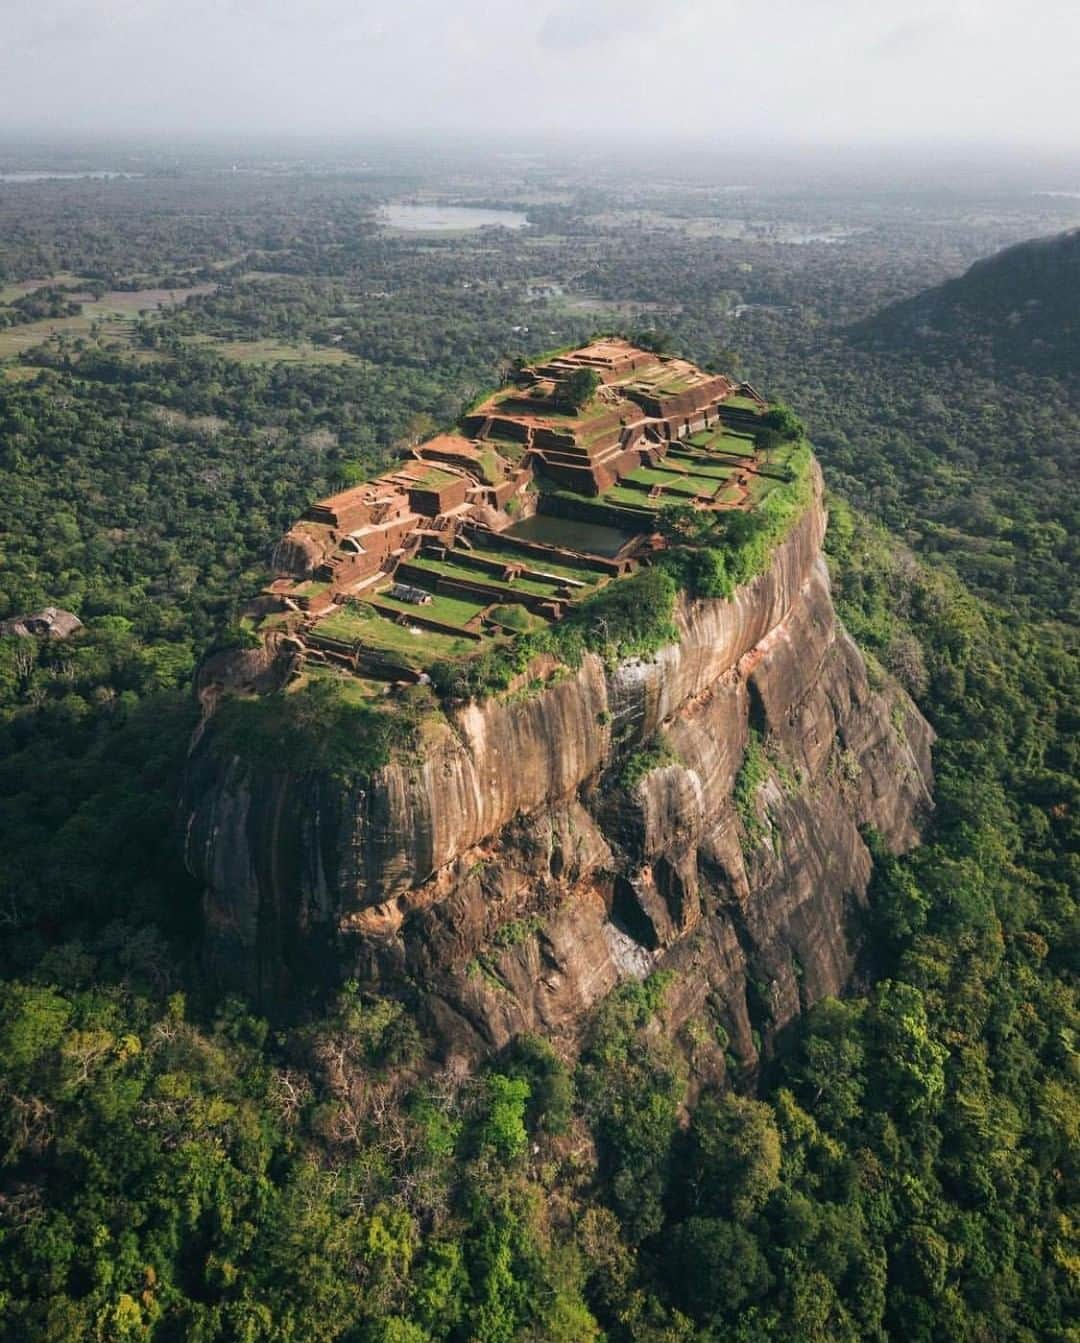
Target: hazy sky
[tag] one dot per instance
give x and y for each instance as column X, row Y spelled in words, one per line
column 822, row 70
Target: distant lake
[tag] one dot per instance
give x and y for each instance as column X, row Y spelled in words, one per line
column 447, row 218
column 50, row 176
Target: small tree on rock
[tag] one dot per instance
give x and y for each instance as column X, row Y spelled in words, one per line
column 579, row 388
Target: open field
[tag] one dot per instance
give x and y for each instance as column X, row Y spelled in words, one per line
column 679, row 482
column 651, row 475
column 313, row 588
column 16, row 340
column 109, row 317
column 738, row 445
column 625, row 312
column 275, row 351
column 630, row 498
column 759, row 487
column 63, row 279
column 517, row 619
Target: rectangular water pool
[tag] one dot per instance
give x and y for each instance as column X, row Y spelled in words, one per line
column 588, row 538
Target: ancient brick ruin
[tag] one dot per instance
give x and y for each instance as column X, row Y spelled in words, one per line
column 453, row 517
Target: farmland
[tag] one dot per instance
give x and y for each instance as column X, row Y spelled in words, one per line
column 108, row 319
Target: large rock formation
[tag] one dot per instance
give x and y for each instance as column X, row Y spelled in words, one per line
column 507, row 877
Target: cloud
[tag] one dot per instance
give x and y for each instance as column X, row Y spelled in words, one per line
column 571, row 26
column 913, row 37
column 723, row 71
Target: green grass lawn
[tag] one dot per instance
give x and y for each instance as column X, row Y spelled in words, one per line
column 690, row 485
column 435, row 478
column 516, row 618
column 488, row 467
column 758, row 487
column 705, row 466
column 737, row 445
column 651, row 475
column 628, row 498
column 510, row 448
column 492, row 550
column 448, row 610
column 463, row 571
column 351, row 625
column 721, row 440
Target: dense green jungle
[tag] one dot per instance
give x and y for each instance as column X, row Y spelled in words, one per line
column 188, row 357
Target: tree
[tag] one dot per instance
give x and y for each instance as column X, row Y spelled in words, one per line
column 734, row 1155
column 783, row 421
column 578, row 389
column 658, row 342
column 714, row 1267
column 909, row 1061
column 504, row 1127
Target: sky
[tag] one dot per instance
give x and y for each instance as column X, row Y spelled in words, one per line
column 847, row 72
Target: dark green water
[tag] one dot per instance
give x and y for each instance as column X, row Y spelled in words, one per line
column 589, row 538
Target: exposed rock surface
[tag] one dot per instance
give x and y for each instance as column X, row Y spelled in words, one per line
column 48, row 623
column 507, row 880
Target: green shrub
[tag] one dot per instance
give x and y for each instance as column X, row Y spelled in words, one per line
column 351, row 473
column 238, row 634
column 319, row 727
column 516, row 931
column 753, row 772
column 752, row 537
column 701, row 571
column 654, row 754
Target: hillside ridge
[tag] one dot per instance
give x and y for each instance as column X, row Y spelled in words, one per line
column 1017, row 310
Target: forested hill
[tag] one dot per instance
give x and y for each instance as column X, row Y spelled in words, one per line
column 1016, row 310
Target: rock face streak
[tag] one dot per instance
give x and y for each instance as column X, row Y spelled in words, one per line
column 506, row 879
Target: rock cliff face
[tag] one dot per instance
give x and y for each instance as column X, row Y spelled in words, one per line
column 506, row 878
